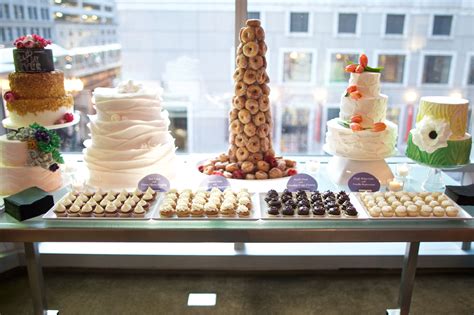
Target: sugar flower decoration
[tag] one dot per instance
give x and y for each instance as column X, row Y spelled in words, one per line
column 31, row 41
column 431, row 134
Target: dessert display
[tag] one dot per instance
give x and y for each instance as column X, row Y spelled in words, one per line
column 402, row 205
column 250, row 154
column 214, row 204
column 440, row 138
column 30, row 157
column 311, row 205
column 37, row 93
column 108, row 205
column 129, row 137
column 361, row 132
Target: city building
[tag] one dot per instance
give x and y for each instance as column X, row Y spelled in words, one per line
column 426, row 48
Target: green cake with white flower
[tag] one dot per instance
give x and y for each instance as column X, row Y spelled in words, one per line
column 440, row 138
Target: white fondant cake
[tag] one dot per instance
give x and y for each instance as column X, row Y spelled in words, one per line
column 129, row 137
column 16, row 175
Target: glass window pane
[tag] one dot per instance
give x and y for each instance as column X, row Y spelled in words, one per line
column 395, row 24
column 297, row 66
column 470, row 79
column 253, row 15
column 442, row 25
column 338, row 63
column 299, row 22
column 394, row 67
column 436, row 69
column 347, row 23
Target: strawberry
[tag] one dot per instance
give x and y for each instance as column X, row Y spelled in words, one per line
column 201, row 168
column 271, row 160
column 68, row 117
column 291, row 172
column 238, row 174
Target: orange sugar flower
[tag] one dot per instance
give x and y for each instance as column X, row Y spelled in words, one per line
column 356, row 127
column 359, row 69
column 363, row 60
column 379, row 126
column 31, row 144
column 351, row 67
column 356, row 118
column 356, row 95
column 351, row 89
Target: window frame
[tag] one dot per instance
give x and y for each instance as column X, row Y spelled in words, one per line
column 406, row 68
column 281, row 61
column 346, row 35
column 452, row 68
column 327, row 71
column 431, row 25
column 465, row 77
column 395, row 36
column 288, row 32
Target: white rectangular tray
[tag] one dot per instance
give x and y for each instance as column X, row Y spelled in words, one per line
column 254, row 214
column 50, row 215
column 462, row 215
column 362, row 215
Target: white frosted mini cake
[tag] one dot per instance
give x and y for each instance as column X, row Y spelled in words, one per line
column 129, row 137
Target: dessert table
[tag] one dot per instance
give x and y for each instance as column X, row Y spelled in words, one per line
column 36, row 230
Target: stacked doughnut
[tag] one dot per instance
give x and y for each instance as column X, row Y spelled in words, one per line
column 250, row 155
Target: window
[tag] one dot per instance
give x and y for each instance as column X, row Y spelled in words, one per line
column 19, row 12
column 4, row 11
column 297, row 67
column 395, row 24
column 470, row 75
column 347, row 23
column 3, row 37
column 253, row 15
column 442, row 25
column 436, row 69
column 32, row 13
column 393, row 67
column 10, row 34
column 299, row 22
column 337, row 65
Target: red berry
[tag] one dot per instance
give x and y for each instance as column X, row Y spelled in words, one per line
column 238, row 174
column 291, row 172
column 201, row 168
column 68, row 117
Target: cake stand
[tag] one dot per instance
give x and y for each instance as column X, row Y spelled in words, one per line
column 8, row 124
column 434, row 180
column 343, row 168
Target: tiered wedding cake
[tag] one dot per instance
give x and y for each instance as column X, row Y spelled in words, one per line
column 129, row 137
column 361, row 132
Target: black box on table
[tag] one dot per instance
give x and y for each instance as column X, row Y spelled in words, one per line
column 28, row 203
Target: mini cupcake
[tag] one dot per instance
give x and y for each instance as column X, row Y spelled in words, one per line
column 216, row 201
column 375, row 211
column 83, row 198
column 103, row 203
column 122, row 197
column 433, row 204
column 419, row 203
column 396, row 204
column 109, row 197
column 411, row 194
column 211, row 210
column 125, row 211
column 426, row 211
column 439, row 211
column 139, row 212
column 446, row 203
column 71, row 196
column 245, row 201
column 417, row 198
column 392, row 199
column 124, row 193
column 408, row 203
column 151, row 192
column 401, row 211
column 146, row 196
column 387, row 211
column 111, row 210
column 452, row 211
column 66, row 203
column 227, row 209
column 88, row 193
column 370, row 204
column 429, row 199
column 166, row 210
column 199, row 199
column 118, row 203
column 183, row 212
column 92, row 202
column 79, row 202
column 243, row 211
column 405, row 198
column 442, row 197
column 73, row 211
column 412, row 211
column 97, row 197
column 144, row 204
column 130, row 202
column 86, row 211
column 138, row 192
column 197, row 210
column 99, row 211
column 60, row 210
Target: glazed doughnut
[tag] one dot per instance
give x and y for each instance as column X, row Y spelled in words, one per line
column 264, row 144
column 275, row 173
column 241, row 140
column 260, row 76
column 251, row 158
column 250, row 49
column 265, row 89
column 241, row 154
column 247, row 34
column 262, row 48
column 247, row 167
column 256, row 62
column 259, row 119
column 236, row 127
column 249, row 176
column 233, row 114
column 254, row 91
column 231, row 152
column 250, row 129
column 238, row 74
column 250, row 76
column 267, row 78
column 253, row 145
column 264, row 103
column 238, row 102
column 252, row 106
column 244, row 116
column 253, row 22
column 263, row 130
column 261, row 175
column 263, row 166
column 259, row 33
column 241, row 61
column 231, row 137
column 240, row 88
column 264, row 62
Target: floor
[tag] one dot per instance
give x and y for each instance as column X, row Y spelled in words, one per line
column 332, row 292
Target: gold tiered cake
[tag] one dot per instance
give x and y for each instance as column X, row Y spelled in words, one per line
column 440, row 138
column 250, row 154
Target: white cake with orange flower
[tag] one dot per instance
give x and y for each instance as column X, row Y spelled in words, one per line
column 361, row 131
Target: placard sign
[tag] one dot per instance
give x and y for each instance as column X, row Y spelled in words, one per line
column 215, row 181
column 156, row 182
column 363, row 182
column 302, row 182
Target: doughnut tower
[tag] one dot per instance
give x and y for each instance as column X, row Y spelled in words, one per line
column 250, row 154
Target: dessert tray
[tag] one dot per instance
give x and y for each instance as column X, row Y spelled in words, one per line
column 112, row 206
column 7, row 123
column 409, row 206
column 309, row 206
column 208, row 205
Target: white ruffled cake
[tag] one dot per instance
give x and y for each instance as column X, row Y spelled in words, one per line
column 129, row 137
column 362, row 132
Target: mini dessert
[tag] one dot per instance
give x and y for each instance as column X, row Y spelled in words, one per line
column 139, row 212
column 86, row 211
column 60, row 210
column 99, row 211
column 125, row 211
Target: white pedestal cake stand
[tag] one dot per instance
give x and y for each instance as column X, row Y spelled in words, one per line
column 434, row 180
column 342, row 168
column 8, row 124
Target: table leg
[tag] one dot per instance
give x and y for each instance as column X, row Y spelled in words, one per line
column 35, row 275
column 466, row 246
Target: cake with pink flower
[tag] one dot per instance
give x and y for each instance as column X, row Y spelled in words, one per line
column 36, row 93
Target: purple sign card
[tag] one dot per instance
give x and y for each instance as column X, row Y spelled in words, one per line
column 156, row 182
column 363, row 182
column 215, row 181
column 302, row 182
